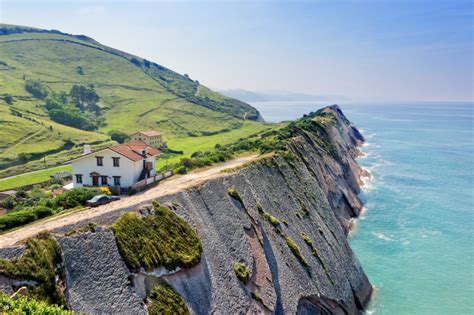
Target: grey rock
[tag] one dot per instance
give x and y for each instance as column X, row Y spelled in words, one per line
column 97, row 278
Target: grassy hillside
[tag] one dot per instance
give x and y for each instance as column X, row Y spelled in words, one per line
column 135, row 94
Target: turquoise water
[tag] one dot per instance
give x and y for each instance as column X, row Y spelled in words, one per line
column 415, row 240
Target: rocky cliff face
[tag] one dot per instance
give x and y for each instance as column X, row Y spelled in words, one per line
column 288, row 226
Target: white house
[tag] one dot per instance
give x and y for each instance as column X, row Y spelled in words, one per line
column 152, row 138
column 120, row 165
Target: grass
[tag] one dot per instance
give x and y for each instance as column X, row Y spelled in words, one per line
column 160, row 239
column 32, row 178
column 241, row 271
column 165, row 301
column 23, row 305
column 189, row 145
column 133, row 97
column 38, row 263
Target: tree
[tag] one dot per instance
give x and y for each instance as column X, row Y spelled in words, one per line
column 119, row 136
column 136, row 62
column 79, row 70
column 8, row 99
column 85, row 98
column 36, row 88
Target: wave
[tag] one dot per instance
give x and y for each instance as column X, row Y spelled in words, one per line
column 382, row 236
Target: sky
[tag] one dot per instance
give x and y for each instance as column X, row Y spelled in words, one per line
column 372, row 50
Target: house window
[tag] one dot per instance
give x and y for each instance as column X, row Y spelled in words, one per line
column 103, row 180
column 116, row 180
column 79, row 178
column 100, row 160
column 116, row 161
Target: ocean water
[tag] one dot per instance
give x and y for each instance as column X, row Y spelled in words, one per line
column 415, row 238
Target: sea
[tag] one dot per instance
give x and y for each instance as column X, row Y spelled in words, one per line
column 415, row 237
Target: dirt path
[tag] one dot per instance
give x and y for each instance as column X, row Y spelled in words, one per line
column 170, row 186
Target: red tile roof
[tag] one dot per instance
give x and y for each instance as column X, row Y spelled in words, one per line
column 129, row 149
column 150, row 133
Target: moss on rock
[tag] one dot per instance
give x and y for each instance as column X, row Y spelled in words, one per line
column 241, row 272
column 160, row 239
column 38, row 263
column 165, row 301
column 295, row 250
column 233, row 193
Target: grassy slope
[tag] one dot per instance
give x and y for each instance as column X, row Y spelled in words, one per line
column 134, row 98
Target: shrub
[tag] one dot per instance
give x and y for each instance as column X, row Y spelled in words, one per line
column 241, row 272
column 37, row 263
column 23, row 305
column 105, row 191
column 21, row 194
column 75, row 197
column 9, row 203
column 160, row 239
column 165, row 301
column 21, row 217
column 8, row 99
column 180, row 170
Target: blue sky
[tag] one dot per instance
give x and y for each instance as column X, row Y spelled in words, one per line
column 371, row 50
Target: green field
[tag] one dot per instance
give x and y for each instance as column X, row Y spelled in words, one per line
column 31, row 178
column 135, row 95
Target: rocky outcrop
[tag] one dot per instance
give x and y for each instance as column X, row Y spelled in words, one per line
column 287, row 225
column 97, row 279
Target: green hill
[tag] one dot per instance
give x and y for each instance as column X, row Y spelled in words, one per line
column 40, row 115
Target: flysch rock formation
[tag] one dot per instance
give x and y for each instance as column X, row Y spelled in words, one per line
column 313, row 191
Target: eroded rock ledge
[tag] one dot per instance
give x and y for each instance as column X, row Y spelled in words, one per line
column 288, row 226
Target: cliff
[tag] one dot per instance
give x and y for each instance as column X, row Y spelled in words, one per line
column 283, row 219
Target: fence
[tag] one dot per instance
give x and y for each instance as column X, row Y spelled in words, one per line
column 148, row 181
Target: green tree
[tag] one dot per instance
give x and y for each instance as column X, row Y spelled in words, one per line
column 119, row 136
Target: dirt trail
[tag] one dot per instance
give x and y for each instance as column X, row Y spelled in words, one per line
column 170, row 186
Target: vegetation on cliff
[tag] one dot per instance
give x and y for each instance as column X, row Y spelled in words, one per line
column 24, row 305
column 241, row 271
column 165, row 301
column 275, row 140
column 159, row 239
column 39, row 263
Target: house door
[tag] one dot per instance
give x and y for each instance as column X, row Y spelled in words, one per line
column 95, row 181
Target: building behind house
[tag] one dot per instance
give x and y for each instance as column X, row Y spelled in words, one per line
column 152, row 138
column 120, row 165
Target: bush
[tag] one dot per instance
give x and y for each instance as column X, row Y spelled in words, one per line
column 21, row 217
column 23, row 305
column 165, row 301
column 9, row 203
column 160, row 239
column 75, row 197
column 241, row 272
column 38, row 263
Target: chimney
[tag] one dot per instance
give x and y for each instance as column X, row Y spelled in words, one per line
column 87, row 149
